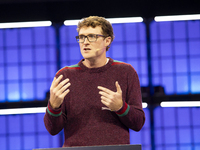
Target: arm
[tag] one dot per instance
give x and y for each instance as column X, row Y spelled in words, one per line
column 130, row 111
column 132, row 114
column 54, row 117
column 54, row 120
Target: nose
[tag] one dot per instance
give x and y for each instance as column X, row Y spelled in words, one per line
column 86, row 41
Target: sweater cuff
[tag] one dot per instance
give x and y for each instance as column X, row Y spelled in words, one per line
column 124, row 110
column 53, row 112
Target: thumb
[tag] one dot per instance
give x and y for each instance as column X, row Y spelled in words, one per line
column 118, row 87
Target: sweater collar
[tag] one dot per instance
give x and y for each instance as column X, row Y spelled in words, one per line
column 96, row 70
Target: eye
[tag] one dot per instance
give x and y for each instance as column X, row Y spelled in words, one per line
column 92, row 36
column 81, row 36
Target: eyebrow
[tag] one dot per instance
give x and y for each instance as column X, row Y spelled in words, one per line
column 85, row 34
column 91, row 34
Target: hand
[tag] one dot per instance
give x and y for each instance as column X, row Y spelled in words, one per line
column 113, row 100
column 58, row 91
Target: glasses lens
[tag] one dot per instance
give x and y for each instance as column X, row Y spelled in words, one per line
column 81, row 38
column 92, row 37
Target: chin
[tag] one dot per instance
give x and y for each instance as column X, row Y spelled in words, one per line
column 87, row 57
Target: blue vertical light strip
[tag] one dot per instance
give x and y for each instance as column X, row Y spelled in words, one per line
column 188, row 59
column 162, row 126
column 148, row 44
column 58, row 52
column 159, row 54
column 37, row 130
column 192, row 129
column 139, row 66
column 58, row 60
column 68, row 44
column 173, row 58
column 124, row 43
column 151, row 107
column 176, row 128
column 19, row 49
column 5, row 66
column 33, row 49
column 7, row 134
column 48, row 63
column 21, row 134
column 143, row 58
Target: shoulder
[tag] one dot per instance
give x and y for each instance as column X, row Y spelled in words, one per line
column 68, row 69
column 126, row 68
column 122, row 65
column 116, row 62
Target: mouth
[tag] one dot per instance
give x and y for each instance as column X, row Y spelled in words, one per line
column 86, row 49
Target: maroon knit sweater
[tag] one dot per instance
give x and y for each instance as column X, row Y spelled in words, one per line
column 81, row 114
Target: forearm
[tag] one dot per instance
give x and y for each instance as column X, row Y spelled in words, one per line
column 53, row 120
column 131, row 116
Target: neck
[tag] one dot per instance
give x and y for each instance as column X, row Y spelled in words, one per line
column 95, row 63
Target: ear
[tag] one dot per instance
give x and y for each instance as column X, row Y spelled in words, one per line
column 107, row 41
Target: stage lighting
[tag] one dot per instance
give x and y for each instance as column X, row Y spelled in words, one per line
column 177, row 18
column 144, row 105
column 180, row 104
column 22, row 111
column 111, row 20
column 25, row 24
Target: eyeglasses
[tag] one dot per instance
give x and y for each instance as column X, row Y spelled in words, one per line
column 90, row 37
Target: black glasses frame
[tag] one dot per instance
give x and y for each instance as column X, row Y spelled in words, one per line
column 87, row 36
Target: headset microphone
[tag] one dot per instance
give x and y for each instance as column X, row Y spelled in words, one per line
column 98, row 49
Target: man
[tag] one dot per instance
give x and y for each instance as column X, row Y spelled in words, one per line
column 99, row 99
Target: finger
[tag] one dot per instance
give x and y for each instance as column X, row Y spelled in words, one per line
column 61, row 84
column 104, row 89
column 105, row 99
column 52, row 84
column 105, row 102
column 104, row 94
column 64, row 88
column 56, row 81
column 118, row 87
column 65, row 93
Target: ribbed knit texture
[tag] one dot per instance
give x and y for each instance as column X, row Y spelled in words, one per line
column 81, row 114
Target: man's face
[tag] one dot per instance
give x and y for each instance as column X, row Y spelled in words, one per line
column 93, row 50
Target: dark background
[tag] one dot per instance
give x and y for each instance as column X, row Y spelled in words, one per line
column 60, row 10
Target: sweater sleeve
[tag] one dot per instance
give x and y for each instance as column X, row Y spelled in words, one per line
column 132, row 114
column 54, row 119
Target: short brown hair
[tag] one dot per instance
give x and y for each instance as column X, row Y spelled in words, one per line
column 94, row 21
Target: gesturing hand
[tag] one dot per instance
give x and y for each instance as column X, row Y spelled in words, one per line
column 113, row 100
column 58, row 91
